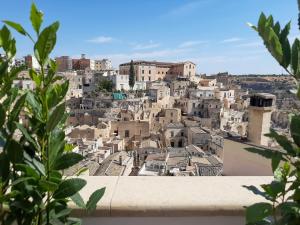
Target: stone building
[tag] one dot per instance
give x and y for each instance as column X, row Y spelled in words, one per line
column 153, row 70
column 175, row 135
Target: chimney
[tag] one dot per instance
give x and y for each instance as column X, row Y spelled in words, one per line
column 260, row 110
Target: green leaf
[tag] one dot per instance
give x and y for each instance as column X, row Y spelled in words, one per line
column 15, row 151
column 276, row 158
column 94, row 199
column 36, row 18
column 55, row 176
column 81, row 171
column 252, row 26
column 27, row 135
column 274, row 46
column 45, row 43
column 77, row 199
column 258, row 212
column 295, row 63
column 34, row 163
column 285, row 32
column 56, row 145
column 69, row 187
column 67, row 160
column 273, row 189
column 21, row 180
column 2, row 115
column 261, row 23
column 295, row 129
column 14, row 115
column 35, row 77
column 18, row 27
column 29, row 171
column 63, row 213
column 48, row 185
column 34, row 105
column 4, row 166
column 74, row 221
column 286, row 49
column 55, row 117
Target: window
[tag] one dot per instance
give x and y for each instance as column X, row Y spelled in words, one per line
column 172, row 143
column 143, row 71
column 172, row 133
column 194, row 105
column 149, row 78
column 126, row 133
column 190, row 66
column 149, row 71
column 142, row 78
column 171, row 114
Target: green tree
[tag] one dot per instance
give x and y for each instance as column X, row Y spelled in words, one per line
column 283, row 193
column 105, row 85
column 131, row 75
column 33, row 189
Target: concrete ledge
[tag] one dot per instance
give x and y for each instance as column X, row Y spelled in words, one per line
column 171, row 196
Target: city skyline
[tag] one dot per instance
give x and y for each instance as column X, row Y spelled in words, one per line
column 211, row 33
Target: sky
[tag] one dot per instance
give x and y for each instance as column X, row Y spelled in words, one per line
column 211, row 33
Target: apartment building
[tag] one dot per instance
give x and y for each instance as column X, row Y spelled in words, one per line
column 81, row 64
column 64, row 63
column 31, row 62
column 153, row 70
column 103, row 64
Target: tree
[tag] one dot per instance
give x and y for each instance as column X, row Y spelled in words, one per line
column 33, row 189
column 283, row 193
column 105, row 85
column 131, row 75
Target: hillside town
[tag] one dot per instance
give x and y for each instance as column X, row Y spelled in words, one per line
column 151, row 118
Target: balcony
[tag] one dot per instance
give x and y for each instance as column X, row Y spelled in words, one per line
column 171, row 200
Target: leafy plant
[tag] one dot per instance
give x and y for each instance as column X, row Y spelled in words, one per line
column 33, row 189
column 283, row 193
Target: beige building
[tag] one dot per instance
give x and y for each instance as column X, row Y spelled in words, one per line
column 167, row 116
column 85, row 131
column 153, row 70
column 130, row 129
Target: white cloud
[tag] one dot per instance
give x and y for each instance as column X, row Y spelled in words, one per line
column 101, row 40
column 187, row 44
column 251, row 44
column 186, row 8
column 149, row 45
column 231, row 40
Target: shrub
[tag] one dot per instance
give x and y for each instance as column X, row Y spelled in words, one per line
column 33, row 189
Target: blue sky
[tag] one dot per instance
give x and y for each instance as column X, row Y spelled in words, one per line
column 211, row 33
